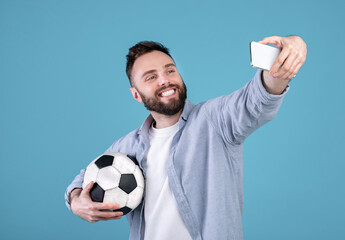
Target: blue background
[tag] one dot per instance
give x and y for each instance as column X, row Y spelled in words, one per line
column 64, row 100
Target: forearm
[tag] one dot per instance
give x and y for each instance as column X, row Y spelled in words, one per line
column 275, row 86
column 77, row 183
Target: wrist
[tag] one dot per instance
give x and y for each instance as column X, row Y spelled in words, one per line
column 74, row 193
column 275, row 86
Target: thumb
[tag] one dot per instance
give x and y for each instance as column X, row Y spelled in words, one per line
column 87, row 189
column 274, row 40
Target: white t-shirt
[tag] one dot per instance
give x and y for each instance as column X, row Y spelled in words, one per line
column 162, row 217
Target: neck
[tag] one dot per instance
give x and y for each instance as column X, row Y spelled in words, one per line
column 163, row 121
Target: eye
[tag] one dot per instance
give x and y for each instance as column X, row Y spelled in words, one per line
column 150, row 78
column 170, row 71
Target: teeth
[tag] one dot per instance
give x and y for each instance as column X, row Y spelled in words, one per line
column 168, row 93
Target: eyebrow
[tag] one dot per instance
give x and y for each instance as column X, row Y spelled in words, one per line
column 154, row 70
column 169, row 65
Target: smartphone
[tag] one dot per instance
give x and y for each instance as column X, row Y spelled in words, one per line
column 263, row 56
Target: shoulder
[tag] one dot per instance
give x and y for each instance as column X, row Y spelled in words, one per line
column 200, row 113
column 126, row 143
column 208, row 106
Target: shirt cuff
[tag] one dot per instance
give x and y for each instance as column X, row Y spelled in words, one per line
column 266, row 96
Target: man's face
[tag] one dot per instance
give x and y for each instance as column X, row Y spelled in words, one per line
column 158, row 84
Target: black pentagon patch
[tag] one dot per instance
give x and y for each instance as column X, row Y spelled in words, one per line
column 104, row 161
column 133, row 159
column 127, row 183
column 125, row 210
column 97, row 193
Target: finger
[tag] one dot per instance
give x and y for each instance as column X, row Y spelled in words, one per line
column 280, row 60
column 108, row 206
column 119, row 217
column 291, row 76
column 287, row 67
column 103, row 216
column 269, row 40
column 293, row 70
column 274, row 40
column 286, row 75
column 107, row 215
column 96, row 219
column 296, row 69
column 297, row 64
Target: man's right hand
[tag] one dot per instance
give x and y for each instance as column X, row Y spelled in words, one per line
column 84, row 207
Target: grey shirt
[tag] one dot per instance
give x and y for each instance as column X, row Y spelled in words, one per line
column 205, row 166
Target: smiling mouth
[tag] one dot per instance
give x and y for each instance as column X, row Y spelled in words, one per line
column 167, row 93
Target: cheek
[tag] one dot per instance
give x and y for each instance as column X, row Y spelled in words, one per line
column 179, row 79
column 149, row 90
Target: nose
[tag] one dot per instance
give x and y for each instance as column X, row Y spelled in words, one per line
column 163, row 80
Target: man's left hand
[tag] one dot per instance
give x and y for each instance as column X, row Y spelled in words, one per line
column 292, row 56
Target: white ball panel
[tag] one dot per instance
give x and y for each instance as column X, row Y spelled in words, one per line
column 116, row 195
column 108, row 178
column 123, row 164
column 139, row 177
column 90, row 174
column 135, row 197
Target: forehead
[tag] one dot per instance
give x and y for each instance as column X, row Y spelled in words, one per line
column 154, row 60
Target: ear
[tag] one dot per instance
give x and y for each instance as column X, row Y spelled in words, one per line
column 136, row 94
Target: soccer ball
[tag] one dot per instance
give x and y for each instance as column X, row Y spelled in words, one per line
column 117, row 179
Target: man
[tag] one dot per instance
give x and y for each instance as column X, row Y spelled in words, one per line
column 191, row 156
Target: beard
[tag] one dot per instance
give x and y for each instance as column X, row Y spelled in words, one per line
column 170, row 108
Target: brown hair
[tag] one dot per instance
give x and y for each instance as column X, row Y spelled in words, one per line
column 140, row 49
